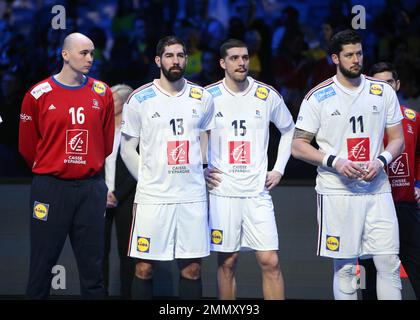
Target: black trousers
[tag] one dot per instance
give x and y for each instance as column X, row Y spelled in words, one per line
column 122, row 215
column 67, row 207
column 409, row 227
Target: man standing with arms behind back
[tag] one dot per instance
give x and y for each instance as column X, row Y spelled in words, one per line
column 66, row 132
column 164, row 118
column 348, row 115
column 404, row 175
column 241, row 208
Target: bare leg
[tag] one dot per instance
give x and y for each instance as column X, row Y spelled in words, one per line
column 273, row 283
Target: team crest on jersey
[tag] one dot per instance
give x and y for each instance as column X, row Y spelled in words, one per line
column 409, row 114
column 261, row 93
column 40, row 211
column 333, row 243
column 215, row 91
column 178, row 152
column 358, row 149
column 216, row 236
column 376, row 89
column 196, row 93
column 143, row 244
column 325, row 94
column 95, row 104
column 239, row 152
column 77, row 141
column 399, row 167
column 99, row 88
column 195, row 113
column 145, row 94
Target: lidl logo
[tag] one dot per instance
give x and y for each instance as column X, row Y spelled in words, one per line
column 262, row 93
column 216, row 236
column 143, row 244
column 99, row 88
column 376, row 89
column 40, row 211
column 333, row 243
column 196, row 93
column 409, row 114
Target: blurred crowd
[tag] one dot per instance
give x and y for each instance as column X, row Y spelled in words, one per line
column 287, row 41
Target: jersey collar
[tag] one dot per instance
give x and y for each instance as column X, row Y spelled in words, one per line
column 241, row 93
column 166, row 93
column 350, row 91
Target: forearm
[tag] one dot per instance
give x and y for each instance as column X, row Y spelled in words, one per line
column 304, row 151
column 395, row 146
column 129, row 154
column 284, row 150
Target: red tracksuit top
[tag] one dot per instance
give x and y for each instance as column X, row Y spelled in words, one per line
column 405, row 169
column 67, row 131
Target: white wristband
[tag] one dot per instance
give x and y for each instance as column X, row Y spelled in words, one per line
column 385, row 158
column 329, row 160
column 388, row 156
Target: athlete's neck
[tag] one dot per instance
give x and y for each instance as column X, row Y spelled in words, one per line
column 236, row 86
column 70, row 78
column 173, row 88
column 350, row 83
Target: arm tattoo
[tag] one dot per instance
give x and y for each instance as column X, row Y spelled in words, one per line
column 302, row 134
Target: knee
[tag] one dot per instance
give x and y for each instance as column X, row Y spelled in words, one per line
column 144, row 270
column 347, row 281
column 192, row 271
column 387, row 264
column 269, row 262
column 227, row 263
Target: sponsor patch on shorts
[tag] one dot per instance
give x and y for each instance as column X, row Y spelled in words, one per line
column 216, row 236
column 143, row 244
column 333, row 243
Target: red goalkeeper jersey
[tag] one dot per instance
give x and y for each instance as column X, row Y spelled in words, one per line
column 405, row 169
column 67, row 131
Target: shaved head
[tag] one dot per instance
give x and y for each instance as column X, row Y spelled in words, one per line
column 76, row 39
column 77, row 53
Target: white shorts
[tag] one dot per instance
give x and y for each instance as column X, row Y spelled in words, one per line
column 351, row 226
column 166, row 232
column 242, row 222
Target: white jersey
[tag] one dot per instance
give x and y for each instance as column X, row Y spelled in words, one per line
column 238, row 145
column 350, row 124
column 170, row 162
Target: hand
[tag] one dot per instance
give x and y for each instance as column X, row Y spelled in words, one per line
column 212, row 176
column 273, row 178
column 417, row 195
column 349, row 169
column 372, row 169
column 111, row 200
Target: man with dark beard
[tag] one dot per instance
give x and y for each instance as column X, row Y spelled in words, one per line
column 164, row 120
column 348, row 115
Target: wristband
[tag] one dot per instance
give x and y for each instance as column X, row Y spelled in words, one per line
column 329, row 160
column 385, row 158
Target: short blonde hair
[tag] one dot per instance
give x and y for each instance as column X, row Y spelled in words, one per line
column 123, row 91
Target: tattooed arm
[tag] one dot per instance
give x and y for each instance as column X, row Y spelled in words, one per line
column 303, row 150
